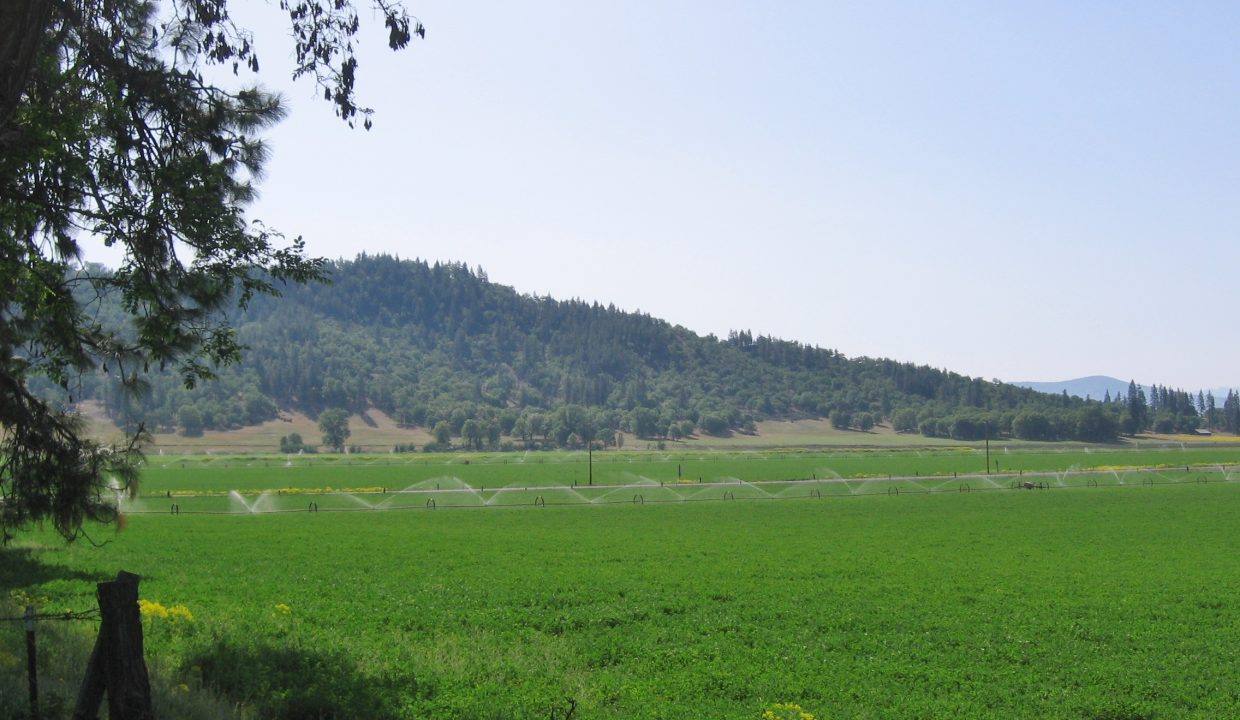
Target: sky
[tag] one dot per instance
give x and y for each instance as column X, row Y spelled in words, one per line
column 1023, row 191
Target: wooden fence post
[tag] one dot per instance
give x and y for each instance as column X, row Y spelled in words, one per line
column 32, row 665
column 117, row 667
column 90, row 695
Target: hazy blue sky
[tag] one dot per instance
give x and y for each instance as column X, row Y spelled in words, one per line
column 1022, row 191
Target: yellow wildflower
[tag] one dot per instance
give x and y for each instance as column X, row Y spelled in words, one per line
column 283, row 609
column 786, row 711
column 152, row 609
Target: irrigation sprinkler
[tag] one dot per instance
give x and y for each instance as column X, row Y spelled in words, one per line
column 639, row 499
column 1091, row 482
column 965, row 488
column 313, row 507
column 893, row 491
column 175, row 509
column 729, row 495
column 430, row 503
column 815, row 492
column 540, row 501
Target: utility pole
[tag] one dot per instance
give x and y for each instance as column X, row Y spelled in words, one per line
column 591, row 456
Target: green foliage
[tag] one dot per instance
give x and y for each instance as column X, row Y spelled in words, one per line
column 1034, row 425
column 443, row 433
column 713, row 424
column 190, row 421
column 440, row 343
column 1095, row 424
column 334, row 424
column 292, row 443
column 109, row 130
column 904, row 420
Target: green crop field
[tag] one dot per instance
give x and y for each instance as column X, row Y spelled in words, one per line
column 247, row 474
column 1082, row 602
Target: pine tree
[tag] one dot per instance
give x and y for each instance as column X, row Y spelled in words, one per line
column 110, row 128
column 1138, row 408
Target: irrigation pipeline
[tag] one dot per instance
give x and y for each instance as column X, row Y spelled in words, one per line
column 978, row 477
column 539, row 501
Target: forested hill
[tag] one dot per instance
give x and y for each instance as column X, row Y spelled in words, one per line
column 430, row 343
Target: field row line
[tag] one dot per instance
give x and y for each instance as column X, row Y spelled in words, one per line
column 682, row 456
column 1225, row 469
column 642, row 501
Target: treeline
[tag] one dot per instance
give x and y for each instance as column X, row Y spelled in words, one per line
column 1165, row 410
column 441, row 347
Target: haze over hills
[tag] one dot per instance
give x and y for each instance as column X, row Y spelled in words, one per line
column 1094, row 386
column 431, row 344
column 1097, row 387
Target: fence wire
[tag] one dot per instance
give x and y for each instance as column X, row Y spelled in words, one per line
column 67, row 615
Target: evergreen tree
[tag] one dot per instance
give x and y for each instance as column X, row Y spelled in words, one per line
column 1138, row 410
column 110, row 128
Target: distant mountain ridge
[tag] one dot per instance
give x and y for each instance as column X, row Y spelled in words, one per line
column 1097, row 386
column 1093, row 386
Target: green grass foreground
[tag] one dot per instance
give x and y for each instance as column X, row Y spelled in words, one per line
column 1116, row 603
